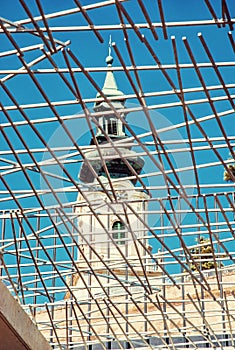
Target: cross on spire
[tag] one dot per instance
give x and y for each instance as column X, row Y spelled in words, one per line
column 110, row 45
column 109, row 58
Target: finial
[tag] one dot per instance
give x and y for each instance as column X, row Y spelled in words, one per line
column 109, row 58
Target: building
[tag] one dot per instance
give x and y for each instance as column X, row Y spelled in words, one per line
column 113, row 233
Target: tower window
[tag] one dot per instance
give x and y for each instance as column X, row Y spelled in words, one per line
column 112, row 127
column 119, row 234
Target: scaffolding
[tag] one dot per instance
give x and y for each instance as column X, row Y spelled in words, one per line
column 175, row 65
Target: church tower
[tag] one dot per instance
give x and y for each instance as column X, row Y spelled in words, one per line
column 112, row 211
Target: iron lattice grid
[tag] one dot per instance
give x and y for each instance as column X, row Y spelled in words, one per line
column 180, row 84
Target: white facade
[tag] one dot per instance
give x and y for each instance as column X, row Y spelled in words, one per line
column 99, row 240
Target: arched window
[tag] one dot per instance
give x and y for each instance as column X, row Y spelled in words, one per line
column 119, row 234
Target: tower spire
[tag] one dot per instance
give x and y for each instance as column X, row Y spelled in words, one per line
column 110, row 88
column 110, row 128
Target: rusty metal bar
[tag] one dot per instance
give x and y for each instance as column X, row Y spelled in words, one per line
column 148, row 19
column 225, row 13
column 87, row 115
column 185, row 108
column 230, row 36
column 53, row 326
column 207, row 93
column 46, row 24
column 89, row 21
column 210, row 8
column 162, row 19
column 25, row 7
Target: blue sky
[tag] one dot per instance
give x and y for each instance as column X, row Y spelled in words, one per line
column 92, row 53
